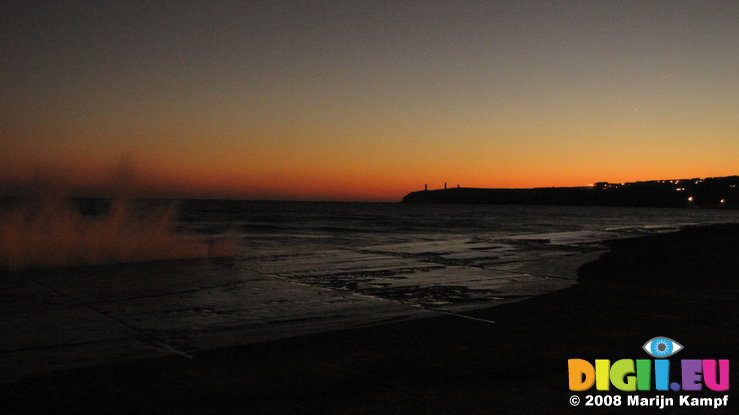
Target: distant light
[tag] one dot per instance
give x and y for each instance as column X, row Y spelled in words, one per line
column 690, row 199
column 723, row 201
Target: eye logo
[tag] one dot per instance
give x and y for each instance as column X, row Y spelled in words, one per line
column 661, row 347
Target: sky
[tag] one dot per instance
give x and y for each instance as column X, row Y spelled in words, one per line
column 367, row 100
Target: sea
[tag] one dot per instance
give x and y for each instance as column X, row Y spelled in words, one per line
column 319, row 266
column 294, row 269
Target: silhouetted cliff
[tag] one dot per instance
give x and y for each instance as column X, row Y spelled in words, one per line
column 715, row 192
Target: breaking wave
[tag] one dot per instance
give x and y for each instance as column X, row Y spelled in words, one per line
column 51, row 232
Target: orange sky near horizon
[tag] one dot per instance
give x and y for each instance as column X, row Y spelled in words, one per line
column 354, row 101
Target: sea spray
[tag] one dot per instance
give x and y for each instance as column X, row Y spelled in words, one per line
column 51, row 231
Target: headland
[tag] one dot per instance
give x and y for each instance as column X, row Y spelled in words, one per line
column 712, row 192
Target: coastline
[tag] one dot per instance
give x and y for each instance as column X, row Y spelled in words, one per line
column 710, row 192
column 681, row 285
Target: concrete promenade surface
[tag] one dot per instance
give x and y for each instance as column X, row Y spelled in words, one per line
column 54, row 320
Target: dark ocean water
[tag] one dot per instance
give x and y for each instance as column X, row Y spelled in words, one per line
column 319, row 225
column 362, row 262
column 296, row 268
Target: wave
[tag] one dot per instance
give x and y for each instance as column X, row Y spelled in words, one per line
column 51, row 232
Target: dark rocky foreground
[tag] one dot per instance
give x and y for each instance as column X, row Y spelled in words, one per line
column 682, row 285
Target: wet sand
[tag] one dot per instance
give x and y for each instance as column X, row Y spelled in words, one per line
column 682, row 285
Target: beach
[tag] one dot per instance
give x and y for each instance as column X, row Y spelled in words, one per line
column 368, row 207
column 506, row 359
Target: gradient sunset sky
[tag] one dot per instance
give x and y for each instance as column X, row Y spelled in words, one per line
column 368, row 100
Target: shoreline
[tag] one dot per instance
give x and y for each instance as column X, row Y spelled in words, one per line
column 681, row 285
